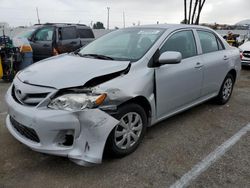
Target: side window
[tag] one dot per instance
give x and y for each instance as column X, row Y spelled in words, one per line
column 66, row 33
column 209, row 42
column 183, row 42
column 85, row 33
column 44, row 34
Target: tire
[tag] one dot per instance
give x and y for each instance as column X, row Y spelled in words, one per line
column 226, row 90
column 125, row 139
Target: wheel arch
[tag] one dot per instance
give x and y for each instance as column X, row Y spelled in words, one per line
column 143, row 102
column 233, row 73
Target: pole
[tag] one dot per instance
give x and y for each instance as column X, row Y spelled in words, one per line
column 190, row 10
column 108, row 18
column 37, row 14
column 123, row 19
column 185, row 11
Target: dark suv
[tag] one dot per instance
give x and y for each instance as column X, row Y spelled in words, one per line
column 50, row 39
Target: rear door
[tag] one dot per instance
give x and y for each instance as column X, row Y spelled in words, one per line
column 42, row 43
column 86, row 35
column 68, row 39
column 215, row 61
column 178, row 85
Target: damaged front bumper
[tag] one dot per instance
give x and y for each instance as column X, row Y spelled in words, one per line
column 80, row 136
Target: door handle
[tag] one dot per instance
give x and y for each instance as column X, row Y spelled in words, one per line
column 46, row 45
column 73, row 42
column 225, row 57
column 198, row 65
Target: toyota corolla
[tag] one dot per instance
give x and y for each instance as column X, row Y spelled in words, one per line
column 104, row 96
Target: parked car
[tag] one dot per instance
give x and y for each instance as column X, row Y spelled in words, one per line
column 103, row 97
column 51, row 39
column 245, row 53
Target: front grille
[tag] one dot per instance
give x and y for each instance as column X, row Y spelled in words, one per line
column 30, row 99
column 25, row 131
column 246, row 54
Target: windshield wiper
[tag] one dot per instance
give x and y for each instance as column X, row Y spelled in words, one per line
column 98, row 56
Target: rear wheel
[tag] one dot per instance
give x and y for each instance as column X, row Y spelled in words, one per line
column 127, row 135
column 226, row 90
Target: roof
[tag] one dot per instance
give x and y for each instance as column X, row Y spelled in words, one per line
column 174, row 26
column 61, row 24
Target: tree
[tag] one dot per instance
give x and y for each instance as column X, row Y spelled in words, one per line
column 194, row 11
column 201, row 4
column 98, row 25
column 185, row 12
column 190, row 9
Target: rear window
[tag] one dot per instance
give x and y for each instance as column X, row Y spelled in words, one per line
column 66, row 33
column 85, row 33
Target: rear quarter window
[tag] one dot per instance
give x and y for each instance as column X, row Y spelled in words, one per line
column 85, row 33
column 220, row 44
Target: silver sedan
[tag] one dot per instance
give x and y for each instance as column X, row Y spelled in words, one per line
column 102, row 97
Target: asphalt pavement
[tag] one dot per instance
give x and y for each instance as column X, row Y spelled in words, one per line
column 169, row 150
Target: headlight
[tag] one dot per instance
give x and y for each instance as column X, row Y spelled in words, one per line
column 77, row 101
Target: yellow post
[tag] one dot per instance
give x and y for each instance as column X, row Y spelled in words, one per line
column 1, row 68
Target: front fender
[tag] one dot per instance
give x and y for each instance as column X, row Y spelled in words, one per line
column 96, row 126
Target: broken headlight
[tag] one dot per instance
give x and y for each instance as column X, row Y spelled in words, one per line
column 77, row 101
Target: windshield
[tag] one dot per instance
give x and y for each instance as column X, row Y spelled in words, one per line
column 124, row 44
column 26, row 34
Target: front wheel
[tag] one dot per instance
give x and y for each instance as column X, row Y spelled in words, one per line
column 226, row 90
column 127, row 135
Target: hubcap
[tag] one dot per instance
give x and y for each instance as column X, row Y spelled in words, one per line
column 227, row 89
column 128, row 131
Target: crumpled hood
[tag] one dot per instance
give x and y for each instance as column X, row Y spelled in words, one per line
column 68, row 70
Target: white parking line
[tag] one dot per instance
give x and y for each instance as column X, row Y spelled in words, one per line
column 3, row 113
column 210, row 159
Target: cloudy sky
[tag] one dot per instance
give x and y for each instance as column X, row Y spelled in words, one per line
column 23, row 12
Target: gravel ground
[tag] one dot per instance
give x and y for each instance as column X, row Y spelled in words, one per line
column 169, row 150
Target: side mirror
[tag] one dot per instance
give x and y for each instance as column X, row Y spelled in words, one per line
column 170, row 57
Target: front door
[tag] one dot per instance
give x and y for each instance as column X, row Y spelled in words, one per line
column 42, row 43
column 178, row 85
